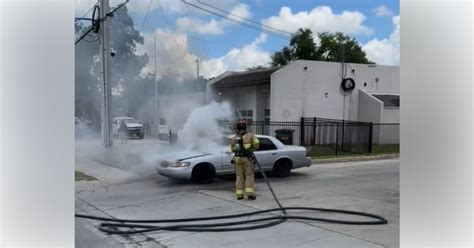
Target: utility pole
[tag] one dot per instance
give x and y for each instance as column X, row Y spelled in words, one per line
column 156, row 95
column 197, row 65
column 106, row 75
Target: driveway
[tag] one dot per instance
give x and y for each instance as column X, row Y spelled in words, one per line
column 370, row 186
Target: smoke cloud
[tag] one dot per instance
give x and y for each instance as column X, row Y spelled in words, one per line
column 202, row 132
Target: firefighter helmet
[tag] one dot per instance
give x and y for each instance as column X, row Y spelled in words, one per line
column 241, row 125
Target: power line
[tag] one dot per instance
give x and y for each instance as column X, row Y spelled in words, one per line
column 261, row 29
column 246, row 19
column 196, row 30
column 87, row 12
column 170, row 28
column 97, row 23
column 147, row 24
column 146, row 15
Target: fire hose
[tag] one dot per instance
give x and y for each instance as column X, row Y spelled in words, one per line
column 131, row 226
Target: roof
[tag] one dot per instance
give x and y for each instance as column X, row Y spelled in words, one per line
column 389, row 100
column 233, row 79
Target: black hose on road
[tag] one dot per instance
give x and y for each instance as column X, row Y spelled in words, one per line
column 130, row 226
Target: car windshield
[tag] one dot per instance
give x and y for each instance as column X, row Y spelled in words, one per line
column 162, row 121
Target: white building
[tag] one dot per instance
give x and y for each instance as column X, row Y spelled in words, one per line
column 306, row 88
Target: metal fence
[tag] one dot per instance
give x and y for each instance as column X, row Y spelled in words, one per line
column 324, row 136
column 338, row 136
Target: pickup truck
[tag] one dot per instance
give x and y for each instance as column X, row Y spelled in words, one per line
column 135, row 128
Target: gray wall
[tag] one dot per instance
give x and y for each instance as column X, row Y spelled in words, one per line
column 296, row 92
column 243, row 98
column 372, row 109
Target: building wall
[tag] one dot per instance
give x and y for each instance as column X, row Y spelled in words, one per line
column 242, row 98
column 296, row 92
column 263, row 95
column 370, row 108
column 391, row 115
column 390, row 134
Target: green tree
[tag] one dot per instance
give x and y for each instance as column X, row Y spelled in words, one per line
column 130, row 90
column 332, row 47
column 87, row 82
column 256, row 68
column 338, row 47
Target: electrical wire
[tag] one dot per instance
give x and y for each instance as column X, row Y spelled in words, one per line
column 96, row 25
column 246, row 19
column 260, row 28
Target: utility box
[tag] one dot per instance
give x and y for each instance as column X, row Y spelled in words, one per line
column 285, row 136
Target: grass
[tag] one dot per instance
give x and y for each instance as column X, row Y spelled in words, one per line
column 79, row 176
column 386, row 149
column 322, row 152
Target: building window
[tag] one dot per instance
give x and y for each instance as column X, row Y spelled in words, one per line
column 247, row 115
column 267, row 116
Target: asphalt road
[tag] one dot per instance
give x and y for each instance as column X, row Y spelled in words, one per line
column 126, row 192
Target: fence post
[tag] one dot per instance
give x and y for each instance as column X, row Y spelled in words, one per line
column 313, row 142
column 337, row 136
column 302, row 132
column 371, row 126
column 343, row 129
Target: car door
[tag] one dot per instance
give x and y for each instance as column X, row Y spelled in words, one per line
column 227, row 166
column 266, row 153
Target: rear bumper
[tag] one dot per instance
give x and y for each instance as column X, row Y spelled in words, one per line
column 306, row 162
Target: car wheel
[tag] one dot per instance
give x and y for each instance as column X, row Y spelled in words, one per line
column 282, row 168
column 203, row 174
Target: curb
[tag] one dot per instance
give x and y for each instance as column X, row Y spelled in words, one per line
column 356, row 158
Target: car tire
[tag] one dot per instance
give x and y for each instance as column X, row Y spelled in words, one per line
column 141, row 136
column 282, row 168
column 203, row 173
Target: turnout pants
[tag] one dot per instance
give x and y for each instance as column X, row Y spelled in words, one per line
column 244, row 173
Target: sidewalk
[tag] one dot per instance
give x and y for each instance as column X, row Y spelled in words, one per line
column 355, row 158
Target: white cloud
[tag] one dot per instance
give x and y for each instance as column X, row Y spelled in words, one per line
column 385, row 51
column 320, row 19
column 82, row 6
column 178, row 62
column 173, row 57
column 213, row 27
column 382, row 10
column 238, row 59
column 141, row 6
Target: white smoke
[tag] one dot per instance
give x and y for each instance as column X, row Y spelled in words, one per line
column 202, row 132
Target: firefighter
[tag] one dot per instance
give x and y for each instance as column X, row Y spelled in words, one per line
column 243, row 144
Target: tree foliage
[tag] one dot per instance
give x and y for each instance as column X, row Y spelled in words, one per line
column 331, row 47
column 129, row 88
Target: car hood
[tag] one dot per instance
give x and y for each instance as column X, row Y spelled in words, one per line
column 190, row 154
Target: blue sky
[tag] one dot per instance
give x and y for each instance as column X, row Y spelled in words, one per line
column 185, row 33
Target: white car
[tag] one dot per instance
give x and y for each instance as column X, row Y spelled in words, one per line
column 163, row 130
column 272, row 155
column 135, row 128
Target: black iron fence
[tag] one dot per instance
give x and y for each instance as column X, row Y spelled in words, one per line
column 324, row 136
column 338, row 136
